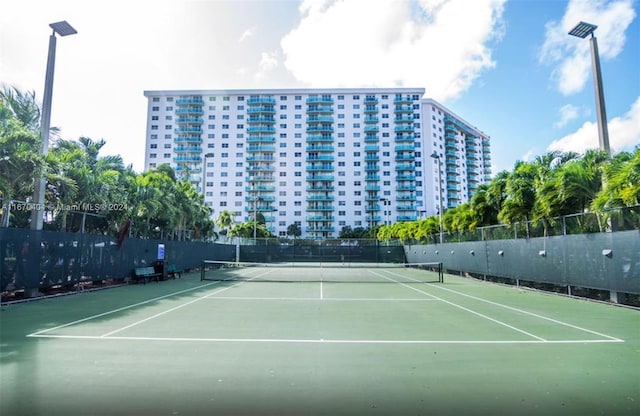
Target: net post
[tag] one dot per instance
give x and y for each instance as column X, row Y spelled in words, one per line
column 440, row 273
column 202, row 271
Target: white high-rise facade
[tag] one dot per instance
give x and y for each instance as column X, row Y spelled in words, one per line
column 320, row 158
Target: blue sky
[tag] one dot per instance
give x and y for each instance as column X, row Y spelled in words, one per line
column 506, row 66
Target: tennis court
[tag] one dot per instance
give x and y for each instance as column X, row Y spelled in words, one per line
column 319, row 340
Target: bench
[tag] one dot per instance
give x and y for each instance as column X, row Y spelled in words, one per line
column 173, row 271
column 145, row 273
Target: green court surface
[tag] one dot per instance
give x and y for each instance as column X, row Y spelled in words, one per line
column 384, row 346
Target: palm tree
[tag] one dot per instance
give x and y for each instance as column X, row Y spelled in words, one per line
column 225, row 221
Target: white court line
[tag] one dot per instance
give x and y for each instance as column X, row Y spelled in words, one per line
column 124, row 308
column 535, row 315
column 38, row 333
column 461, row 307
column 322, row 298
column 181, row 306
column 329, row 341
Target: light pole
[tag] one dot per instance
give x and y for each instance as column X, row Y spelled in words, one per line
column 437, row 158
column 255, row 216
column 582, row 30
column 63, row 29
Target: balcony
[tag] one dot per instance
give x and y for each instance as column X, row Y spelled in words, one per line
column 372, row 178
column 262, row 119
column 371, row 119
column 187, row 139
column 261, row 139
column 320, row 168
column 320, row 109
column 370, row 109
column 403, row 119
column 261, row 110
column 320, row 229
column 320, row 148
column 261, row 129
column 319, row 119
column 260, row 178
column 265, row 149
column 405, row 188
column 260, row 198
column 187, row 159
column 371, row 129
column 190, row 100
column 320, row 188
column 373, row 218
column 189, row 120
column 319, row 218
column 406, row 178
column 405, row 197
column 372, row 208
column 260, row 158
column 319, row 158
column 370, row 100
column 403, row 109
column 320, row 138
column 404, row 148
column 263, row 168
column 252, row 101
column 371, row 138
column 320, row 207
column 181, row 130
column 406, row 166
column 190, row 111
column 325, row 100
column 372, row 148
column 372, row 188
column 320, row 178
column 188, row 149
column 371, row 157
column 320, row 198
column 402, row 99
column 404, row 218
column 402, row 138
column 371, row 168
column 260, row 188
column 321, row 128
column 400, row 157
column 403, row 129
column 403, row 207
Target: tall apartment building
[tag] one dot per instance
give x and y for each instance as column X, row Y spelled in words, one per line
column 321, row 158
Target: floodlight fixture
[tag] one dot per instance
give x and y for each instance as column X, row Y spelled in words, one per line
column 63, row 28
column 583, row 29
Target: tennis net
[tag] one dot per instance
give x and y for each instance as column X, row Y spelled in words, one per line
column 338, row 272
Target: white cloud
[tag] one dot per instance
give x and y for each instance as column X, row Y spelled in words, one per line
column 567, row 113
column 268, row 63
column 530, row 155
column 571, row 56
column 246, row 34
column 394, row 43
column 624, row 134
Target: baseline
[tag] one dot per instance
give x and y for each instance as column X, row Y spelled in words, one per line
column 326, row 341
